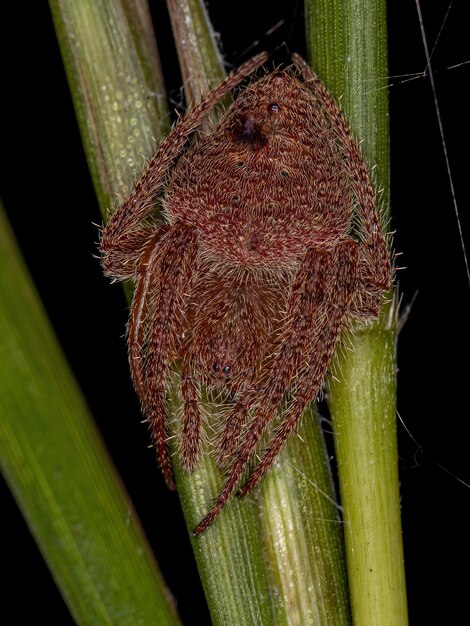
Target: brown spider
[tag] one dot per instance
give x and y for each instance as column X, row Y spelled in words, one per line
column 271, row 244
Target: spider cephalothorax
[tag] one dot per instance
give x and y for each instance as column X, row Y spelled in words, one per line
column 271, row 244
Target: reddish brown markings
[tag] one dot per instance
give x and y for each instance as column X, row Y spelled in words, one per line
column 257, row 271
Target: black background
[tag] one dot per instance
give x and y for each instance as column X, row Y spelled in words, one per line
column 48, row 194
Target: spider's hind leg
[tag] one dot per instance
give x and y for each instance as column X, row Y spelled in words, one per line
column 321, row 297
column 329, row 313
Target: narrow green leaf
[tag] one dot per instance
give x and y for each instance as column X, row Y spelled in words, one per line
column 51, row 454
column 347, row 43
column 283, row 559
column 55, row 463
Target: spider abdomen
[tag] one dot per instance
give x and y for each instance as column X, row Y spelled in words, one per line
column 265, row 181
column 230, row 330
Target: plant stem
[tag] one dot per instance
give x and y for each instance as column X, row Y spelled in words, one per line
column 237, row 586
column 199, row 57
column 114, row 74
column 347, row 43
column 282, row 546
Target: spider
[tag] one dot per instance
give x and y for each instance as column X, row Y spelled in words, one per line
column 270, row 245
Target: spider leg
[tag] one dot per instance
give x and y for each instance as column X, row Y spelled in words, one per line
column 329, row 318
column 155, row 315
column 140, row 316
column 191, row 438
column 138, row 332
column 267, row 395
column 375, row 265
column 123, row 232
column 315, row 297
column 233, row 427
column 120, row 261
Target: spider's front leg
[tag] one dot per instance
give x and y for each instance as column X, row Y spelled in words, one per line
column 320, row 300
column 164, row 274
column 124, row 237
column 375, row 264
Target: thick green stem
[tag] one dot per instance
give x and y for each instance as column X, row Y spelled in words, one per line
column 114, row 75
column 363, row 406
column 302, row 531
column 347, row 44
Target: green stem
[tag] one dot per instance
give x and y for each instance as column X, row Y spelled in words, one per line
column 236, row 586
column 114, row 74
column 283, row 555
column 347, row 43
column 199, row 57
column 302, row 531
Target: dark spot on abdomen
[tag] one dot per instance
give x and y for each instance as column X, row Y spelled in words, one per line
column 250, row 131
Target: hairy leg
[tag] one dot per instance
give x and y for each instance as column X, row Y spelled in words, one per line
column 124, row 225
column 138, row 327
column 155, row 316
column 367, row 303
column 119, row 262
column 230, row 437
column 320, row 296
column 229, row 330
column 251, row 327
column 330, row 315
column 190, row 445
column 266, row 395
column 375, row 267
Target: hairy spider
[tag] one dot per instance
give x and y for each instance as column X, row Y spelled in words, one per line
column 271, row 245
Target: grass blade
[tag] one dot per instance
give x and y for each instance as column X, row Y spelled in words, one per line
column 199, row 57
column 51, row 454
column 55, row 463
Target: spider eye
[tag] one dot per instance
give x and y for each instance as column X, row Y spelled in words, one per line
column 216, row 367
column 273, row 107
column 226, row 369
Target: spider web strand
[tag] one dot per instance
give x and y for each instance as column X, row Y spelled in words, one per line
column 441, row 132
